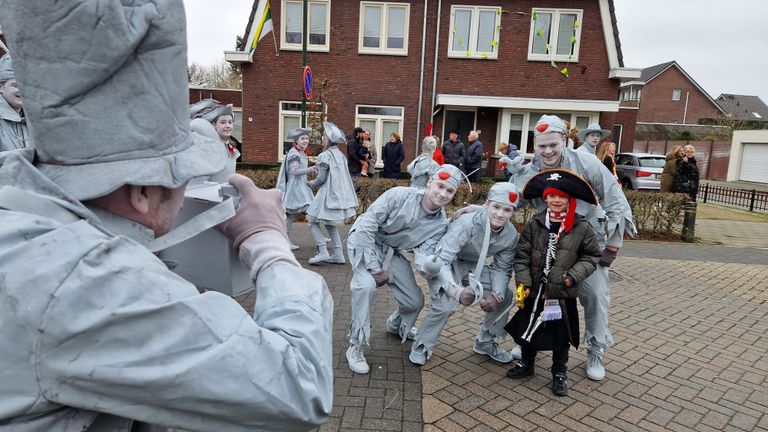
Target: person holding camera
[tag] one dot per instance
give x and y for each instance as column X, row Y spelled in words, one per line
column 401, row 219
column 98, row 334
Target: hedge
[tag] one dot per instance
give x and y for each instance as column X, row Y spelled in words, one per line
column 656, row 214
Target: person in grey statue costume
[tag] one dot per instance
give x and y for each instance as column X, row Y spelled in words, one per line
column 422, row 168
column 13, row 125
column 459, row 254
column 335, row 201
column 97, row 333
column 610, row 219
column 591, row 137
column 401, row 219
column 292, row 178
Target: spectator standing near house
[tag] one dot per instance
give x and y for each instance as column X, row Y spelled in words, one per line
column 422, row 168
column 364, row 154
column 400, row 220
column 510, row 151
column 606, row 152
column 669, row 174
column 453, row 150
column 354, row 142
column 393, row 156
column 687, row 179
column 335, row 200
column 474, row 157
column 13, row 124
column 437, row 156
column 591, row 137
column 292, row 179
column 373, row 155
column 110, row 339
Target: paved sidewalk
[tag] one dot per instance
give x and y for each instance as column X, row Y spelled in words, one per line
column 690, row 324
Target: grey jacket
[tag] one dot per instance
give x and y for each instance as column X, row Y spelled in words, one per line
column 13, row 128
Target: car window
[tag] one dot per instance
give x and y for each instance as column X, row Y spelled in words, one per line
column 652, row 162
column 624, row 160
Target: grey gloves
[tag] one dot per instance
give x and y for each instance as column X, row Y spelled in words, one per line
column 259, row 210
column 381, row 277
column 513, row 166
column 607, row 257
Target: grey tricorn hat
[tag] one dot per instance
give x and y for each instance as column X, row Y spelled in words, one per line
column 219, row 111
column 295, row 133
column 202, row 107
column 6, row 68
column 334, row 134
column 106, row 94
column 594, row 127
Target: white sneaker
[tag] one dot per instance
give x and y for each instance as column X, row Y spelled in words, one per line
column 595, row 369
column 294, row 246
column 392, row 328
column 417, row 357
column 319, row 258
column 517, row 353
column 356, row 360
column 493, row 350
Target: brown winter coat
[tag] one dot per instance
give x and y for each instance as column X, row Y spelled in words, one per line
column 577, row 255
column 669, row 173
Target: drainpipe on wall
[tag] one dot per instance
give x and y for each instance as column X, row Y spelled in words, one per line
column 421, row 76
column 434, row 74
column 685, row 111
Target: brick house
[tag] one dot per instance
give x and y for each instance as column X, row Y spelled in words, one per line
column 665, row 93
column 466, row 64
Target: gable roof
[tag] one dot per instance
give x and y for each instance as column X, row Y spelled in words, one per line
column 648, row 74
column 743, row 107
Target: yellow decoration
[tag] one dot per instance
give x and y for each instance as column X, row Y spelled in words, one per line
column 576, row 24
column 461, row 41
column 498, row 11
column 485, row 55
column 539, row 33
column 535, row 15
column 565, row 72
column 494, row 42
column 455, row 28
column 573, row 40
column 469, row 54
column 520, row 296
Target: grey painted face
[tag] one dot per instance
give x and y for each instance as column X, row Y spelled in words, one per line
column 11, row 93
column 593, row 138
column 549, row 148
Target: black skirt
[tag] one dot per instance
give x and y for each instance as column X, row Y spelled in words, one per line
column 550, row 335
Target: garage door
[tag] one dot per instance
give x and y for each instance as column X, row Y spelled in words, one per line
column 754, row 163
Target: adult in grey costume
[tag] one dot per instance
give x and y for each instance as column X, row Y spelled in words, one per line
column 97, row 333
column 609, row 219
column 335, row 201
column 457, row 256
column 422, row 168
column 401, row 219
column 13, row 125
column 591, row 137
column 292, row 178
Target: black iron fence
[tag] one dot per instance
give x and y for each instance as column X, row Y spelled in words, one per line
column 750, row 199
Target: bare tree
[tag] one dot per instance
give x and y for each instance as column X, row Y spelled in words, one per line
column 222, row 75
column 323, row 104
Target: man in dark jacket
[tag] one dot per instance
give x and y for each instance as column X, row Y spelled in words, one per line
column 474, row 158
column 453, row 150
column 354, row 142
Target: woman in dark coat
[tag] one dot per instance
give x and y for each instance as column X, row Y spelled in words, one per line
column 669, row 174
column 687, row 179
column 393, row 155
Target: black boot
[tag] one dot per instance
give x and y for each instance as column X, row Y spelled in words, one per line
column 520, row 370
column 559, row 384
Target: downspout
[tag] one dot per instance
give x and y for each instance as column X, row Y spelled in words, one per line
column 434, row 76
column 421, row 76
column 685, row 111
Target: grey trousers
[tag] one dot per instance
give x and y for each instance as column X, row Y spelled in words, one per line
column 595, row 297
column 441, row 308
column 402, row 282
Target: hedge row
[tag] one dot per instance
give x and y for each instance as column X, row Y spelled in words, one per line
column 655, row 214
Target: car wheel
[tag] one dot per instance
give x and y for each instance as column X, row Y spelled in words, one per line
column 626, row 183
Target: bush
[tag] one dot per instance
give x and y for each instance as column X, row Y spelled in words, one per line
column 657, row 215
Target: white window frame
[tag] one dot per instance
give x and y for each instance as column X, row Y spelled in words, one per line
column 553, row 33
column 678, row 91
column 286, row 46
column 473, row 32
column 524, row 147
column 384, row 29
column 282, row 113
column 379, row 119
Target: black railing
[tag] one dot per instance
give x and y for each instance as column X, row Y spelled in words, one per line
column 750, row 199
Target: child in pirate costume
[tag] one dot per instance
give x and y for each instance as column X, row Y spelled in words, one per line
column 461, row 254
column 335, row 201
column 555, row 253
column 292, row 179
column 422, row 168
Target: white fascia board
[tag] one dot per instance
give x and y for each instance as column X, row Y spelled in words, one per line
column 625, row 73
column 237, row 57
column 576, row 105
column 631, row 83
column 610, row 42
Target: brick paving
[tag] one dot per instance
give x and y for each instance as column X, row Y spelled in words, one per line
column 691, row 350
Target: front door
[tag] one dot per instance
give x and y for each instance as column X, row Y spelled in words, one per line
column 464, row 121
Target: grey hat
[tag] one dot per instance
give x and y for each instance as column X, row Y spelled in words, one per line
column 295, row 133
column 505, row 193
column 219, row 111
column 6, row 68
column 119, row 114
column 202, row 107
column 550, row 123
column 594, row 127
column 449, row 173
column 334, row 134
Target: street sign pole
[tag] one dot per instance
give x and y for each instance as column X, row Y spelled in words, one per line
column 304, row 36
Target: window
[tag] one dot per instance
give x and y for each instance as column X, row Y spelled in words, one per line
column 382, row 121
column 384, row 28
column 555, row 35
column 518, row 126
column 290, row 118
column 676, row 94
column 756, row 115
column 292, row 23
column 474, row 32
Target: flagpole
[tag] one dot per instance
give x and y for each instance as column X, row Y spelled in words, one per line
column 274, row 39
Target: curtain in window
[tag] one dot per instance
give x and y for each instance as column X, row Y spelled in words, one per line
column 293, row 18
column 486, row 31
column 317, row 24
column 541, row 28
column 372, row 27
column 396, row 28
column 461, row 23
column 564, row 34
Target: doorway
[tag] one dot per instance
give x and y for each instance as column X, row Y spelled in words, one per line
column 464, row 121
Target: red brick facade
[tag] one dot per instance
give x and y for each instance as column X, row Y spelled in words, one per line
column 657, row 106
column 225, row 96
column 389, row 80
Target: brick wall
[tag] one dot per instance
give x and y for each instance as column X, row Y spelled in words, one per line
column 657, row 106
column 627, row 118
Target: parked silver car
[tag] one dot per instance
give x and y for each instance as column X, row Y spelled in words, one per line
column 640, row 170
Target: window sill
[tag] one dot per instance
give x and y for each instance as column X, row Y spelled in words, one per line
column 382, row 52
column 473, row 55
column 310, row 48
column 547, row 58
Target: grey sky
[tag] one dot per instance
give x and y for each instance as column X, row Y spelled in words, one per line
column 722, row 44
